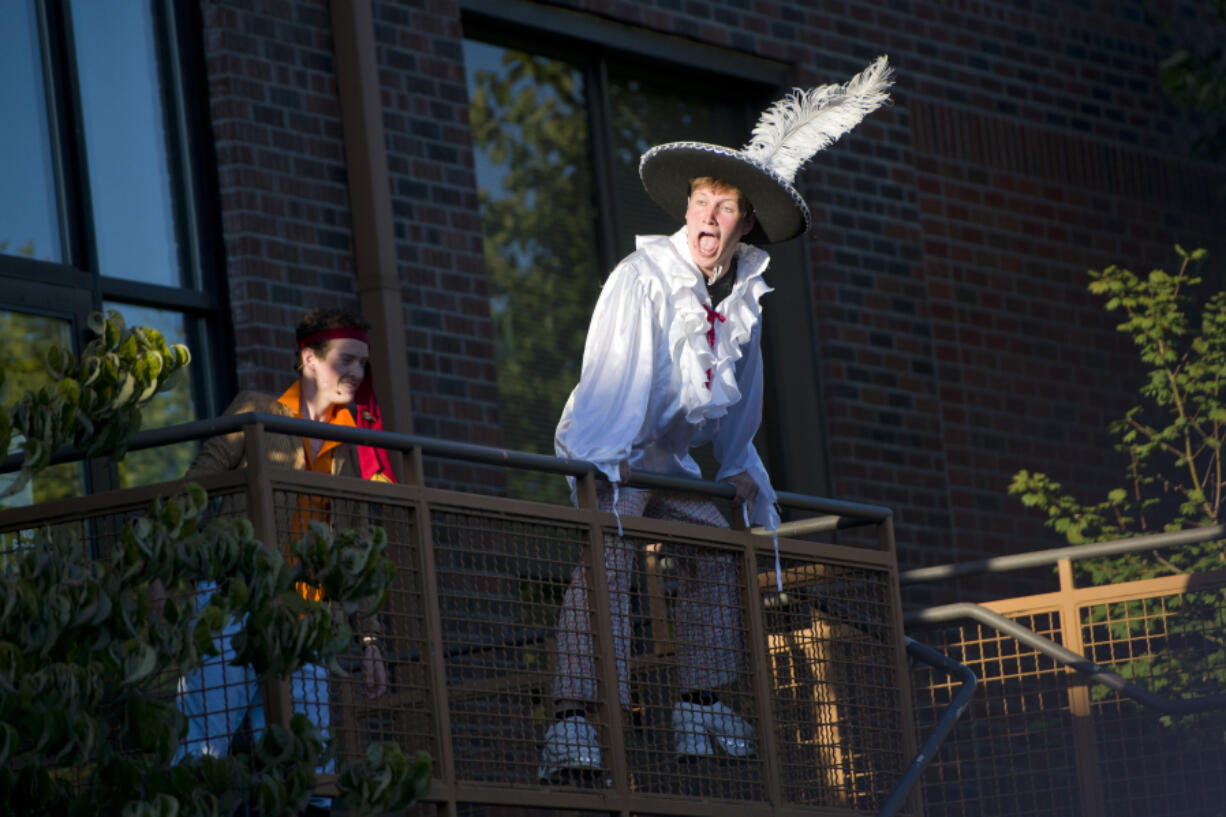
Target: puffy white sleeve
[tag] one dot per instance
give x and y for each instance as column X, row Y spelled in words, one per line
column 733, row 444
column 607, row 410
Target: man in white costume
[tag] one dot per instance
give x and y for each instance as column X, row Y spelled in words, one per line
column 673, row 360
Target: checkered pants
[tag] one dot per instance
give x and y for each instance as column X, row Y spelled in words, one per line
column 707, row 612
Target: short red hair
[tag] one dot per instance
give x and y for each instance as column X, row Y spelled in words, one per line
column 721, row 186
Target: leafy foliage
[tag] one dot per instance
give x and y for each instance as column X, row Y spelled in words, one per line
column 24, row 339
column 1172, row 446
column 89, row 660
column 1171, row 442
column 537, row 199
column 94, row 403
column 172, row 405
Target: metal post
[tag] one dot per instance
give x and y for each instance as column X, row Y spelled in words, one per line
column 601, row 612
column 756, row 624
column 885, row 535
column 434, row 649
column 414, row 468
column 1085, row 742
column 277, row 706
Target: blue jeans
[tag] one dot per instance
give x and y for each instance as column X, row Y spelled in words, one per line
column 217, row 696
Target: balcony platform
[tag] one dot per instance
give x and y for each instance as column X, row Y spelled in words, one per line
column 469, row 632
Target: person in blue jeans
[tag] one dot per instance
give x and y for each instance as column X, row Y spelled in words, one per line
column 219, row 697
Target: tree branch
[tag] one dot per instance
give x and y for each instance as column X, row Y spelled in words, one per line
column 1167, row 564
column 1149, row 432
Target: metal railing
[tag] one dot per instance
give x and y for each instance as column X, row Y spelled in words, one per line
column 470, row 632
column 1095, row 700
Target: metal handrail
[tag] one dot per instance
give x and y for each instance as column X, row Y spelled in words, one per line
column 1062, row 655
column 1038, row 558
column 839, row 513
column 926, row 753
column 835, row 514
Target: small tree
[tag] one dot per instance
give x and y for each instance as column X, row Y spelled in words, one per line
column 88, row 722
column 1171, row 442
column 1172, row 448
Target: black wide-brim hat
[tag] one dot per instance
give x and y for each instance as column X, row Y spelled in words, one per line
column 779, row 209
column 787, row 135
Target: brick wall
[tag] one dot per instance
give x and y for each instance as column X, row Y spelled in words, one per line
column 286, row 217
column 285, row 211
column 1029, row 141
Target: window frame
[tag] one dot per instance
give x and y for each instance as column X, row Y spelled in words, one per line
column 191, row 165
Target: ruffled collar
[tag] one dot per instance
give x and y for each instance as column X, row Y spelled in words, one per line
column 688, row 346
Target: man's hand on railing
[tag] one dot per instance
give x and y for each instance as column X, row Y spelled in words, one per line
column 746, row 489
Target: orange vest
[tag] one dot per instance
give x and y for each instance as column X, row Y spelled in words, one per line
column 313, row 507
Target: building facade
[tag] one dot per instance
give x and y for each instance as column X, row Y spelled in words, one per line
column 465, row 173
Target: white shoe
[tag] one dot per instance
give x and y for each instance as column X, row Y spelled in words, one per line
column 698, row 728
column 571, row 744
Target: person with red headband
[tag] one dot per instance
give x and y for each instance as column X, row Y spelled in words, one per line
column 331, row 360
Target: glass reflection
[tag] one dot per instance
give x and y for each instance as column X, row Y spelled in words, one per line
column 24, row 341
column 645, row 114
column 536, row 192
column 175, row 405
column 28, row 222
column 125, row 139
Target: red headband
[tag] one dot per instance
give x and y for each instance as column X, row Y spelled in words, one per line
column 332, row 334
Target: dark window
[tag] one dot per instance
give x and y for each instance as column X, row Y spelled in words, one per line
column 101, row 203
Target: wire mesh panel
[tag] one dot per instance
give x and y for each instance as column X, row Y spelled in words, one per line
column 223, row 703
column 832, row 646
column 500, row 810
column 1174, row 646
column 384, row 694
column 1013, row 751
column 98, row 527
column 216, row 712
column 500, row 579
column 404, row 713
column 695, row 727
column 667, row 653
column 91, row 534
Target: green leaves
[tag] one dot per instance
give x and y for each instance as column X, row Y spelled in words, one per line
column 95, row 402
column 385, row 776
column 1171, row 440
column 86, row 664
column 89, row 661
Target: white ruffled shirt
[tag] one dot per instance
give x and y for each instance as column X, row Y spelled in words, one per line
column 642, row 393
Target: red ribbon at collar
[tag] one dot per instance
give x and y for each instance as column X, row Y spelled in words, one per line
column 711, row 316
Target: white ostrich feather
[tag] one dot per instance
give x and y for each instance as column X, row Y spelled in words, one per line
column 804, row 122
